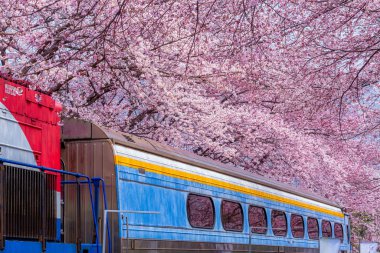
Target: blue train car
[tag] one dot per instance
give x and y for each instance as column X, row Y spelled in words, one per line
column 162, row 199
column 175, row 201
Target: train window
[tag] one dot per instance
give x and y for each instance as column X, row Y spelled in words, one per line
column 257, row 219
column 326, row 229
column 200, row 211
column 296, row 223
column 232, row 216
column 338, row 231
column 312, row 228
column 279, row 226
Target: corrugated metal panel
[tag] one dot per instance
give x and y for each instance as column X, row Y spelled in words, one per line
column 28, row 204
column 2, row 217
column 93, row 158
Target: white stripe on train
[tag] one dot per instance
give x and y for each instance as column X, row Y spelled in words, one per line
column 13, row 142
column 165, row 162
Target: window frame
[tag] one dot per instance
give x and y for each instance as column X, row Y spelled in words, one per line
column 213, row 209
column 286, row 223
column 308, row 231
column 221, row 215
column 341, row 226
column 331, row 229
column 266, row 220
column 303, row 225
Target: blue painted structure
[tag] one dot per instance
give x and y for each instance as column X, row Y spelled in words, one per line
column 142, row 175
column 168, row 196
column 18, row 246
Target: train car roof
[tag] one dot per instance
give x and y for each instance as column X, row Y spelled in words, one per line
column 76, row 129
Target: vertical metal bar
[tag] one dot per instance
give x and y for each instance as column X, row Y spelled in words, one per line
column 53, row 201
column 34, row 183
column 126, row 220
column 96, row 204
column 93, row 213
column 48, row 206
column 10, row 202
column 21, row 205
column 13, row 198
column 78, row 227
column 105, row 208
column 250, row 240
column 17, row 202
column 2, row 221
column 44, row 211
column 104, row 231
column 28, row 198
column 7, row 202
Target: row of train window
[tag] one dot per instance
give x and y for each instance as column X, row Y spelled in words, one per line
column 201, row 214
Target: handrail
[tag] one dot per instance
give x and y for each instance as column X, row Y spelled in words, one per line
column 105, row 214
column 74, row 174
column 105, row 208
column 104, row 201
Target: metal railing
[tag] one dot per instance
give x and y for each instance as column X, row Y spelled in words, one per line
column 105, row 222
column 77, row 176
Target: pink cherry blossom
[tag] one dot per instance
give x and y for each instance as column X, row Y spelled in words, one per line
column 286, row 89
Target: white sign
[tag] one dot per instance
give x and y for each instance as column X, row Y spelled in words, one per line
column 12, row 90
column 368, row 247
column 327, row 245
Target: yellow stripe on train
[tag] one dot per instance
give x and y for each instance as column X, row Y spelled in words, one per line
column 137, row 164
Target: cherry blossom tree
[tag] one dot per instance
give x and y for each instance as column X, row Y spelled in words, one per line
column 285, row 89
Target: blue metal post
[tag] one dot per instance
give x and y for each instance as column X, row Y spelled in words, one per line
column 105, row 208
column 96, row 196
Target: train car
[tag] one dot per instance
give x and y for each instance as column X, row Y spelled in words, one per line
column 168, row 200
column 30, row 175
column 56, row 183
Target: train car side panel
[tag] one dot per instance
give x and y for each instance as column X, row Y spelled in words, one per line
column 157, row 184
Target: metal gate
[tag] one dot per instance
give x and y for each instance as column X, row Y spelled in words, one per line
column 27, row 204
